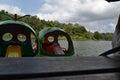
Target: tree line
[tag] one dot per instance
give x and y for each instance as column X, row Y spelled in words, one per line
column 76, row 31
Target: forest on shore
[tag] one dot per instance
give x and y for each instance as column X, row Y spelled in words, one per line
column 76, row 31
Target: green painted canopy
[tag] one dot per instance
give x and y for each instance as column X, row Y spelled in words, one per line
column 15, row 28
column 55, row 32
column 8, row 22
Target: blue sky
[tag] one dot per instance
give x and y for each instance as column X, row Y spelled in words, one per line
column 95, row 15
column 27, row 6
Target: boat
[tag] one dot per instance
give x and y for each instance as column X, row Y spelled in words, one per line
column 18, row 39
column 49, row 40
column 57, row 68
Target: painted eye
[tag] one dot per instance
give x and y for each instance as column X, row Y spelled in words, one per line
column 7, row 36
column 63, row 40
column 50, row 38
column 21, row 37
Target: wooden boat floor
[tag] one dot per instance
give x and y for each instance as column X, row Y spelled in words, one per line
column 60, row 68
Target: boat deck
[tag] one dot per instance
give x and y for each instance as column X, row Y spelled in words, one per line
column 60, row 68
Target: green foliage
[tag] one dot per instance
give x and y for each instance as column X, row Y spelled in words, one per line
column 76, row 31
column 5, row 15
column 97, row 35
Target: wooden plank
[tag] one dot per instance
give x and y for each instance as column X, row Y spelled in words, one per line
column 109, row 76
column 13, row 68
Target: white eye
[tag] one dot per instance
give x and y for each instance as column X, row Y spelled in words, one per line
column 7, row 36
column 50, row 38
column 21, row 37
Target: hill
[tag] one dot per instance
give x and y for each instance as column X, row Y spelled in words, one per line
column 76, row 31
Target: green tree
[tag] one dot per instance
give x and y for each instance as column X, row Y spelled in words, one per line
column 97, row 35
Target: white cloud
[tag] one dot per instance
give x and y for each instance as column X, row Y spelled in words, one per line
column 11, row 9
column 94, row 14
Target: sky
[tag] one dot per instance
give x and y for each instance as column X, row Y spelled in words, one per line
column 94, row 15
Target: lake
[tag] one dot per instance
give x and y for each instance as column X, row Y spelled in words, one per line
column 90, row 48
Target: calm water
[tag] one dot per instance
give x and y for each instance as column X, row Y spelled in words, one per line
column 90, row 48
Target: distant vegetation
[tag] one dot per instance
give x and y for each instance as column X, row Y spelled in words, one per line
column 76, row 31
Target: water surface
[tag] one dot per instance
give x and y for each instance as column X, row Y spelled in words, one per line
column 91, row 48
